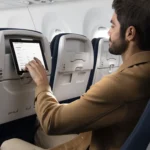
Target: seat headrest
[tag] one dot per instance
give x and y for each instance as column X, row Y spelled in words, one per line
column 1, row 29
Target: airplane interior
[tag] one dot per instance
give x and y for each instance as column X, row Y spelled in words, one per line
column 72, row 42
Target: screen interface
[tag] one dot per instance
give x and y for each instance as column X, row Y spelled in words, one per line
column 26, row 51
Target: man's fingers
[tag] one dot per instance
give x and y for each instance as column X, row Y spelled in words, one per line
column 26, row 68
column 41, row 67
column 29, row 67
column 38, row 61
column 33, row 64
column 37, row 72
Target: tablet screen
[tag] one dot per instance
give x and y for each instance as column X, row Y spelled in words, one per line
column 25, row 51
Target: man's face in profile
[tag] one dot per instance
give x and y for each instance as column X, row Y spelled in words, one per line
column 117, row 44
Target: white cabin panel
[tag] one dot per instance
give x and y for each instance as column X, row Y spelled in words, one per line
column 73, row 16
column 16, row 18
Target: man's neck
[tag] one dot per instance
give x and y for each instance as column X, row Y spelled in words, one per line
column 131, row 50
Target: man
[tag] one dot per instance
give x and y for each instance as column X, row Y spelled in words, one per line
column 112, row 107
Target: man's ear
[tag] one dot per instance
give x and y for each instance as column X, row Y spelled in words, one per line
column 130, row 33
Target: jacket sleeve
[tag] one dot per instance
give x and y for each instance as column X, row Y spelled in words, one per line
column 101, row 106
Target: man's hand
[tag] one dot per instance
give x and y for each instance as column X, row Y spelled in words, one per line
column 37, row 72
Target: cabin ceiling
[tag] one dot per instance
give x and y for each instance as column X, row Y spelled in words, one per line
column 6, row 4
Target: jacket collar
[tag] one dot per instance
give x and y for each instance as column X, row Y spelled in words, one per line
column 138, row 58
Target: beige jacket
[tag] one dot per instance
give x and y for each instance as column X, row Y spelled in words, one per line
column 110, row 109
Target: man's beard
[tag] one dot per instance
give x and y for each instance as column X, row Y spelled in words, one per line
column 118, row 47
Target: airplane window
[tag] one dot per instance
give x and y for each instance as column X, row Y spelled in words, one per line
column 56, row 32
column 101, row 32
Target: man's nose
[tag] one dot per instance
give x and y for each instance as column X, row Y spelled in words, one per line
column 109, row 32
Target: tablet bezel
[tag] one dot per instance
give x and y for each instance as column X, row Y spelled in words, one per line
column 15, row 57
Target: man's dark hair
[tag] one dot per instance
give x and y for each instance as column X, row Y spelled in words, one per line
column 134, row 13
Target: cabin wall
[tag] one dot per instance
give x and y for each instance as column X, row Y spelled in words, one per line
column 81, row 17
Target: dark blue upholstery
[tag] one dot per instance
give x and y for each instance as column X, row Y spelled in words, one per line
column 140, row 137
column 95, row 43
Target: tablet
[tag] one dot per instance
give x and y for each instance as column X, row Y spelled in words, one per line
column 24, row 51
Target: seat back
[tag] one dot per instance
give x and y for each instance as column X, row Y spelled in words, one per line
column 17, row 113
column 17, row 92
column 72, row 61
column 105, row 63
column 140, row 136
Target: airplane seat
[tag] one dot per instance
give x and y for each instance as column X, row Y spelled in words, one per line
column 17, row 90
column 72, row 62
column 80, row 52
column 140, row 136
column 104, row 62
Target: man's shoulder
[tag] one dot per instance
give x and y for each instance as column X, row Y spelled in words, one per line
column 120, row 86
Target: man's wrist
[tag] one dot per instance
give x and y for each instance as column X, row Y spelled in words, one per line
column 42, row 83
column 42, row 88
